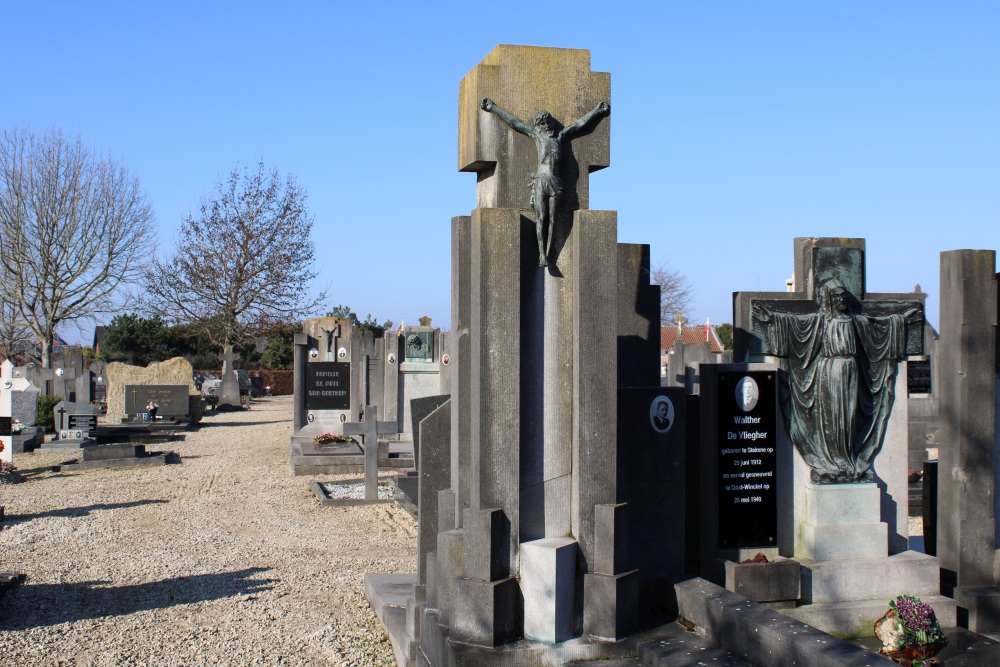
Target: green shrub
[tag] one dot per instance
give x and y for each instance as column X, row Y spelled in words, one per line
column 44, row 416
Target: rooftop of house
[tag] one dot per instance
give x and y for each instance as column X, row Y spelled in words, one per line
column 690, row 335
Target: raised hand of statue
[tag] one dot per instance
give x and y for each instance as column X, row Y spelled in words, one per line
column 486, row 104
column 758, row 312
column 603, row 108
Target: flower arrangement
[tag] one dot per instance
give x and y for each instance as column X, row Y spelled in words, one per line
column 16, row 427
column 328, row 438
column 909, row 631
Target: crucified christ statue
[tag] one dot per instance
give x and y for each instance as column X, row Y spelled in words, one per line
column 546, row 185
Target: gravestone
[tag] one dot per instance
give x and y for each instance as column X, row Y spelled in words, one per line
column 9, row 383
column 547, row 361
column 172, row 401
column 173, row 372
column 229, row 391
column 323, row 396
column 841, row 352
column 969, row 364
column 74, row 425
column 57, row 381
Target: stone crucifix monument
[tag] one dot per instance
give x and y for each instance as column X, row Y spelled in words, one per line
column 554, row 361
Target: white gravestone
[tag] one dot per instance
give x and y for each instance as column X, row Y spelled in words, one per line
column 8, row 384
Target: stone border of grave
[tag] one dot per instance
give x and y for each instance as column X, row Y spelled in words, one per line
column 150, row 459
column 325, row 499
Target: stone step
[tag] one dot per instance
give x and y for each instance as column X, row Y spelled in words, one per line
column 908, row 572
column 857, row 618
column 680, row 648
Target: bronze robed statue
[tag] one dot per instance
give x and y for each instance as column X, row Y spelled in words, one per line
column 841, row 374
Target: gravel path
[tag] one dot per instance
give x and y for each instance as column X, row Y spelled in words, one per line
column 225, row 559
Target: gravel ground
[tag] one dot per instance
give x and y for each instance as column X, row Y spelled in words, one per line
column 225, row 559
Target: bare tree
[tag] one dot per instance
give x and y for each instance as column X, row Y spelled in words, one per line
column 675, row 293
column 242, row 264
column 74, row 227
column 15, row 336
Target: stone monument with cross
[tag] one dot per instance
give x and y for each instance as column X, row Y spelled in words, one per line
column 554, row 368
column 339, row 369
column 229, row 391
column 842, row 353
column 369, row 429
column 9, row 383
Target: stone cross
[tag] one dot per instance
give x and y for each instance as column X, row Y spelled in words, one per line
column 8, row 383
column 369, row 430
column 229, row 391
column 526, row 80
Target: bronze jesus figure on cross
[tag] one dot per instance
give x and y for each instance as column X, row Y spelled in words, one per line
column 546, row 184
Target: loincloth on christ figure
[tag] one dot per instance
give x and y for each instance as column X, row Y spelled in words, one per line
column 544, row 185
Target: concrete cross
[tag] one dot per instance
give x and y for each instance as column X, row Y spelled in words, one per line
column 8, row 383
column 369, row 430
column 525, row 80
column 679, row 321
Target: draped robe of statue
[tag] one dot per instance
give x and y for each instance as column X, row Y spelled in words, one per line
column 841, row 382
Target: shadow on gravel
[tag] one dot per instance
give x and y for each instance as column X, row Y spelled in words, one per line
column 42, row 605
column 84, row 510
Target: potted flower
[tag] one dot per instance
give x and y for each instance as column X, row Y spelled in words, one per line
column 910, row 632
column 329, row 438
column 151, row 408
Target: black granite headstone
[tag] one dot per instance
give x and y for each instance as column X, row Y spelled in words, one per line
column 328, row 385
column 748, row 498
column 6, row 424
column 172, row 399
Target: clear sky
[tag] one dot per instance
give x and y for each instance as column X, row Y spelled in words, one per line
column 736, row 126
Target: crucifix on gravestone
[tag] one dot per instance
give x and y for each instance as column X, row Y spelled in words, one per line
column 559, row 167
column 369, row 429
column 8, row 383
column 331, row 335
column 680, row 321
column 840, row 352
column 552, row 143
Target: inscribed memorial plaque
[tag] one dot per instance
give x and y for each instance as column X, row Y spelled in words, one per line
column 172, row 399
column 6, row 426
column 748, row 499
column 328, row 385
column 918, row 376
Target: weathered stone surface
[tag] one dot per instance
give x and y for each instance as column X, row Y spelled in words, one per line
column 548, row 582
column 434, row 432
column 967, row 502
column 765, row 582
column 171, row 372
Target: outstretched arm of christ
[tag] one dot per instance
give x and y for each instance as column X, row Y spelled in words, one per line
column 582, row 123
column 516, row 123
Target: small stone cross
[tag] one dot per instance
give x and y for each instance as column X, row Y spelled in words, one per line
column 8, row 383
column 369, row 430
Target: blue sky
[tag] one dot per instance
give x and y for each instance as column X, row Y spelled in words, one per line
column 736, row 126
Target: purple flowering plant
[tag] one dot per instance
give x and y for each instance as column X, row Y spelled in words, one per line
column 917, row 622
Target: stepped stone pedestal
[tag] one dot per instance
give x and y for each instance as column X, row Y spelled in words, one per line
column 848, row 577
